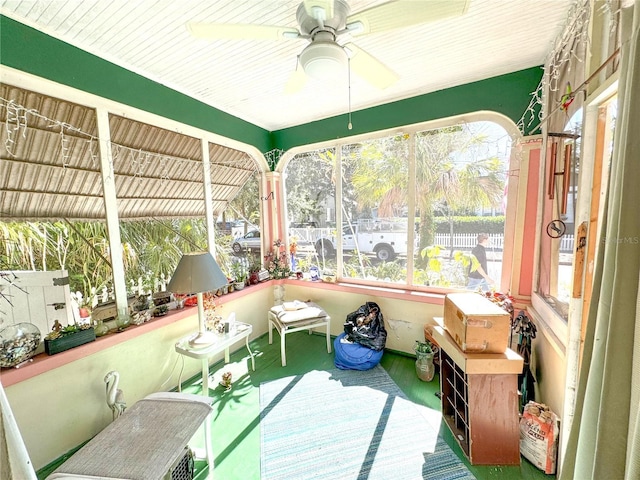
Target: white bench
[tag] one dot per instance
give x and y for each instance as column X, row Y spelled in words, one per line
column 144, row 442
column 289, row 321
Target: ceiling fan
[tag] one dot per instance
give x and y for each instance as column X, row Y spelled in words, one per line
column 323, row 22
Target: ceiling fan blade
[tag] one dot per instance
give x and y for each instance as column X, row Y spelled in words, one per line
column 369, row 68
column 297, row 80
column 212, row 31
column 403, row 13
column 326, row 5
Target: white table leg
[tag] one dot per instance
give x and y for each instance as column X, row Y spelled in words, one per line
column 283, row 353
column 205, row 377
column 208, row 446
column 328, row 337
column 226, row 355
column 253, row 361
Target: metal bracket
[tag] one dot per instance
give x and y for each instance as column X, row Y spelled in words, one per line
column 59, row 282
column 57, row 306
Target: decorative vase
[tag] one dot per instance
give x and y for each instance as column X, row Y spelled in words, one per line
column 424, row 366
column 101, row 329
column 123, row 321
column 18, row 343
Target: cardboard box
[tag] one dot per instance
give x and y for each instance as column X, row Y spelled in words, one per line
column 476, row 323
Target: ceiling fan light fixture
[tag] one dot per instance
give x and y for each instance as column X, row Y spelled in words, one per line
column 324, row 61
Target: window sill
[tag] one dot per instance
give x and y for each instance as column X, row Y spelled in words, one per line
column 42, row 362
column 400, row 292
column 552, row 325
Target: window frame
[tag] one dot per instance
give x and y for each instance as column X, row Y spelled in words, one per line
column 546, row 314
column 410, row 130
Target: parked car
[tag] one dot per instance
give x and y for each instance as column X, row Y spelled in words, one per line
column 241, row 227
column 250, row 241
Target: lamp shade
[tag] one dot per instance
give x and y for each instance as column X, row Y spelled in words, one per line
column 196, row 273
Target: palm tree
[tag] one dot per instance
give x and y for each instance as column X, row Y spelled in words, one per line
column 380, row 175
column 444, row 175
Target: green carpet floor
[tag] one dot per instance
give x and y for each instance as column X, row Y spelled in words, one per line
column 236, row 416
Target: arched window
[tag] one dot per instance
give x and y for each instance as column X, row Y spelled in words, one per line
column 409, row 204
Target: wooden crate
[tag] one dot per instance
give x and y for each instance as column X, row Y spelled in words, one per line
column 476, row 323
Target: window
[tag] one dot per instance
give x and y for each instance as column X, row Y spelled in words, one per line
column 557, row 240
column 557, row 237
column 409, row 206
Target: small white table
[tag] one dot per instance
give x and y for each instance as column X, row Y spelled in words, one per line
column 223, row 341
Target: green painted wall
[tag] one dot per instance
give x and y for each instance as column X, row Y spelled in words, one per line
column 507, row 94
column 30, row 50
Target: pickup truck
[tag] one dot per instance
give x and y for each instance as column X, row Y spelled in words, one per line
column 384, row 239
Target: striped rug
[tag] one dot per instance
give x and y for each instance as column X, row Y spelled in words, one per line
column 347, row 424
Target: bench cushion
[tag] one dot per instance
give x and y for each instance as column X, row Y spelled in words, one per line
column 291, row 316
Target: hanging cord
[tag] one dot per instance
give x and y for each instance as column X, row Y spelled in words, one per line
column 349, row 125
column 581, row 88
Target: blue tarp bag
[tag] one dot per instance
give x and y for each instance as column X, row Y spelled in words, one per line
column 353, row 356
column 361, row 345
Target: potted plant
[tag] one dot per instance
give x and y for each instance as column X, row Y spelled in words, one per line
column 239, row 272
column 254, row 268
column 160, row 310
column 277, row 261
column 64, row 338
column 424, row 360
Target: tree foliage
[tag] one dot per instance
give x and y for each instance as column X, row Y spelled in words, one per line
column 150, row 248
column 310, row 185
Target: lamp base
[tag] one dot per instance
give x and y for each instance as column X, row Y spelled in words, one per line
column 202, row 339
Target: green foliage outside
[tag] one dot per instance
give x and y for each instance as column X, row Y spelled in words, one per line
column 441, row 273
column 151, row 250
column 471, row 224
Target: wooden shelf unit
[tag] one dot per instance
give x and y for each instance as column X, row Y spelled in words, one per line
column 480, row 401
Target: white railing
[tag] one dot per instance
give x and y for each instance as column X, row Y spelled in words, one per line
column 310, row 234
column 466, row 241
column 461, row 241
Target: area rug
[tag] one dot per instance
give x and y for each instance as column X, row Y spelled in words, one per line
column 347, row 424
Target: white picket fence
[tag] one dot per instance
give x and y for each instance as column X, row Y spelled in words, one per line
column 461, row 241
column 466, row 241
column 135, row 288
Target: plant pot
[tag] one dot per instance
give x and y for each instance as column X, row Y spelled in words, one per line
column 239, row 285
column 69, row 341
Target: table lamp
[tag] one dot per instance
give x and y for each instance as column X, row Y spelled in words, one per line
column 198, row 272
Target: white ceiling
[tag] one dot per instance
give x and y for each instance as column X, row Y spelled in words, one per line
column 246, row 78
